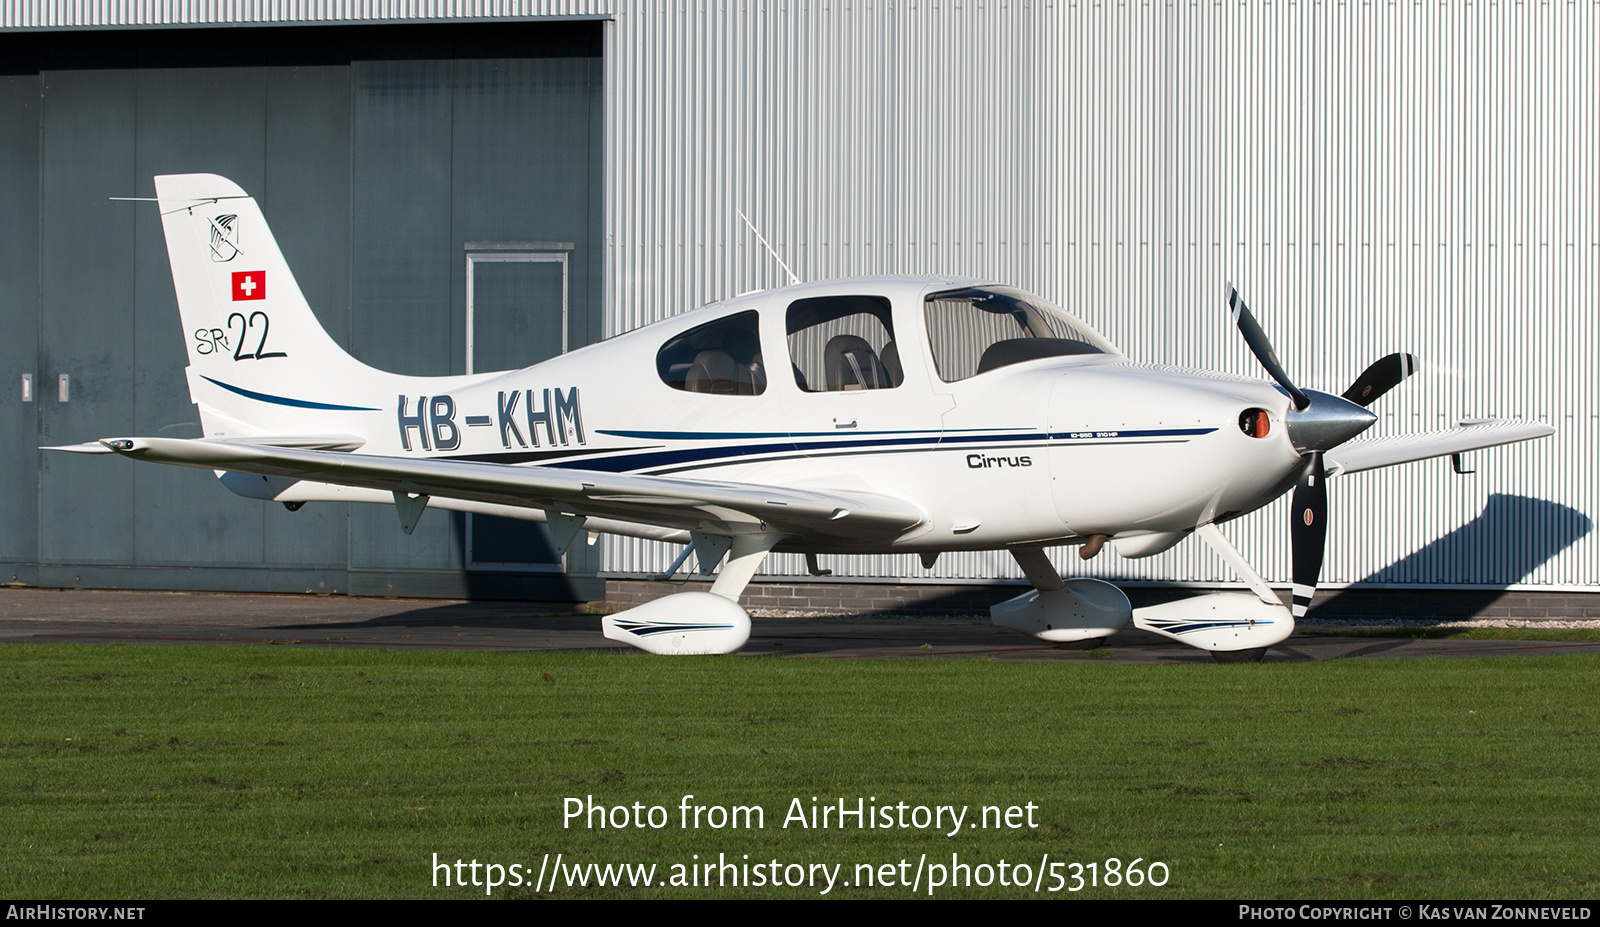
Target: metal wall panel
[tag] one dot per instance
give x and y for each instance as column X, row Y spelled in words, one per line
column 86, row 513
column 1374, row 177
column 77, row 14
column 19, row 348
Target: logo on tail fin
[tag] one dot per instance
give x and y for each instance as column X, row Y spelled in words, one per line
column 249, row 284
column 224, row 238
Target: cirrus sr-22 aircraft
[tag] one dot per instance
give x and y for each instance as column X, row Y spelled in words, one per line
column 860, row 416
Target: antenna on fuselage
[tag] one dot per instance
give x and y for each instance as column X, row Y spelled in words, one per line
column 770, row 250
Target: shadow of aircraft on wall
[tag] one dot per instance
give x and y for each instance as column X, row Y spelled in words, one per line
column 1512, row 537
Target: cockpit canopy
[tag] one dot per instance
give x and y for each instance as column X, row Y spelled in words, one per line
column 847, row 342
column 977, row 329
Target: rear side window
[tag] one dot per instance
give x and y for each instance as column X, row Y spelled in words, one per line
column 722, row 358
column 842, row 343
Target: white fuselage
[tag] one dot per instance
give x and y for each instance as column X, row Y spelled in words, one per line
column 867, row 415
column 1043, row 451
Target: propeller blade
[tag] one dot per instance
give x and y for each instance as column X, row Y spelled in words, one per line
column 1385, row 374
column 1261, row 347
column 1309, row 532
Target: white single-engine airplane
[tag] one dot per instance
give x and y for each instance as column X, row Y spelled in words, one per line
column 871, row 415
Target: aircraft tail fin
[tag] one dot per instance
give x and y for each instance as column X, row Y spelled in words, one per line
column 258, row 357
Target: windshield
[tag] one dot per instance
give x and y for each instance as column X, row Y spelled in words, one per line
column 975, row 330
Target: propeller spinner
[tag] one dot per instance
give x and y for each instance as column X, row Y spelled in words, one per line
column 1318, row 422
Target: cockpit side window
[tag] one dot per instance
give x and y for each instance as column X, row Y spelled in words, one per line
column 840, row 343
column 722, row 358
column 978, row 329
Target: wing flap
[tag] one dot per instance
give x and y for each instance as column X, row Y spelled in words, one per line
column 1398, row 449
column 702, row 505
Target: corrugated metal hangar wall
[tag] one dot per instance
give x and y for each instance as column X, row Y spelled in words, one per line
column 1374, row 177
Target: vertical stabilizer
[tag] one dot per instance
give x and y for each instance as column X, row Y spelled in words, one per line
column 259, row 361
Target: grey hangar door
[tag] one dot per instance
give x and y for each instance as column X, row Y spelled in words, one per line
column 378, row 155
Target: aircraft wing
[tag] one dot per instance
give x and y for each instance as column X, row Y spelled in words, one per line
column 687, row 504
column 1398, row 449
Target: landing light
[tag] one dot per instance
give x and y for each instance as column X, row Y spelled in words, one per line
column 1254, row 422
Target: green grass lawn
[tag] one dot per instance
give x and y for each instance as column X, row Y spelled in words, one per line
column 257, row 771
column 1447, row 632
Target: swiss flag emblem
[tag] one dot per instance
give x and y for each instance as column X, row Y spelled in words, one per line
column 249, row 284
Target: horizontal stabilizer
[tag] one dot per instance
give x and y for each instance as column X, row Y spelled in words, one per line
column 1398, row 449
column 303, row 442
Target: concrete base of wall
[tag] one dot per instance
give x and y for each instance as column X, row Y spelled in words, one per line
column 1342, row 605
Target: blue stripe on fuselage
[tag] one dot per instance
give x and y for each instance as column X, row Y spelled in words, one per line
column 284, row 400
column 729, row 454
